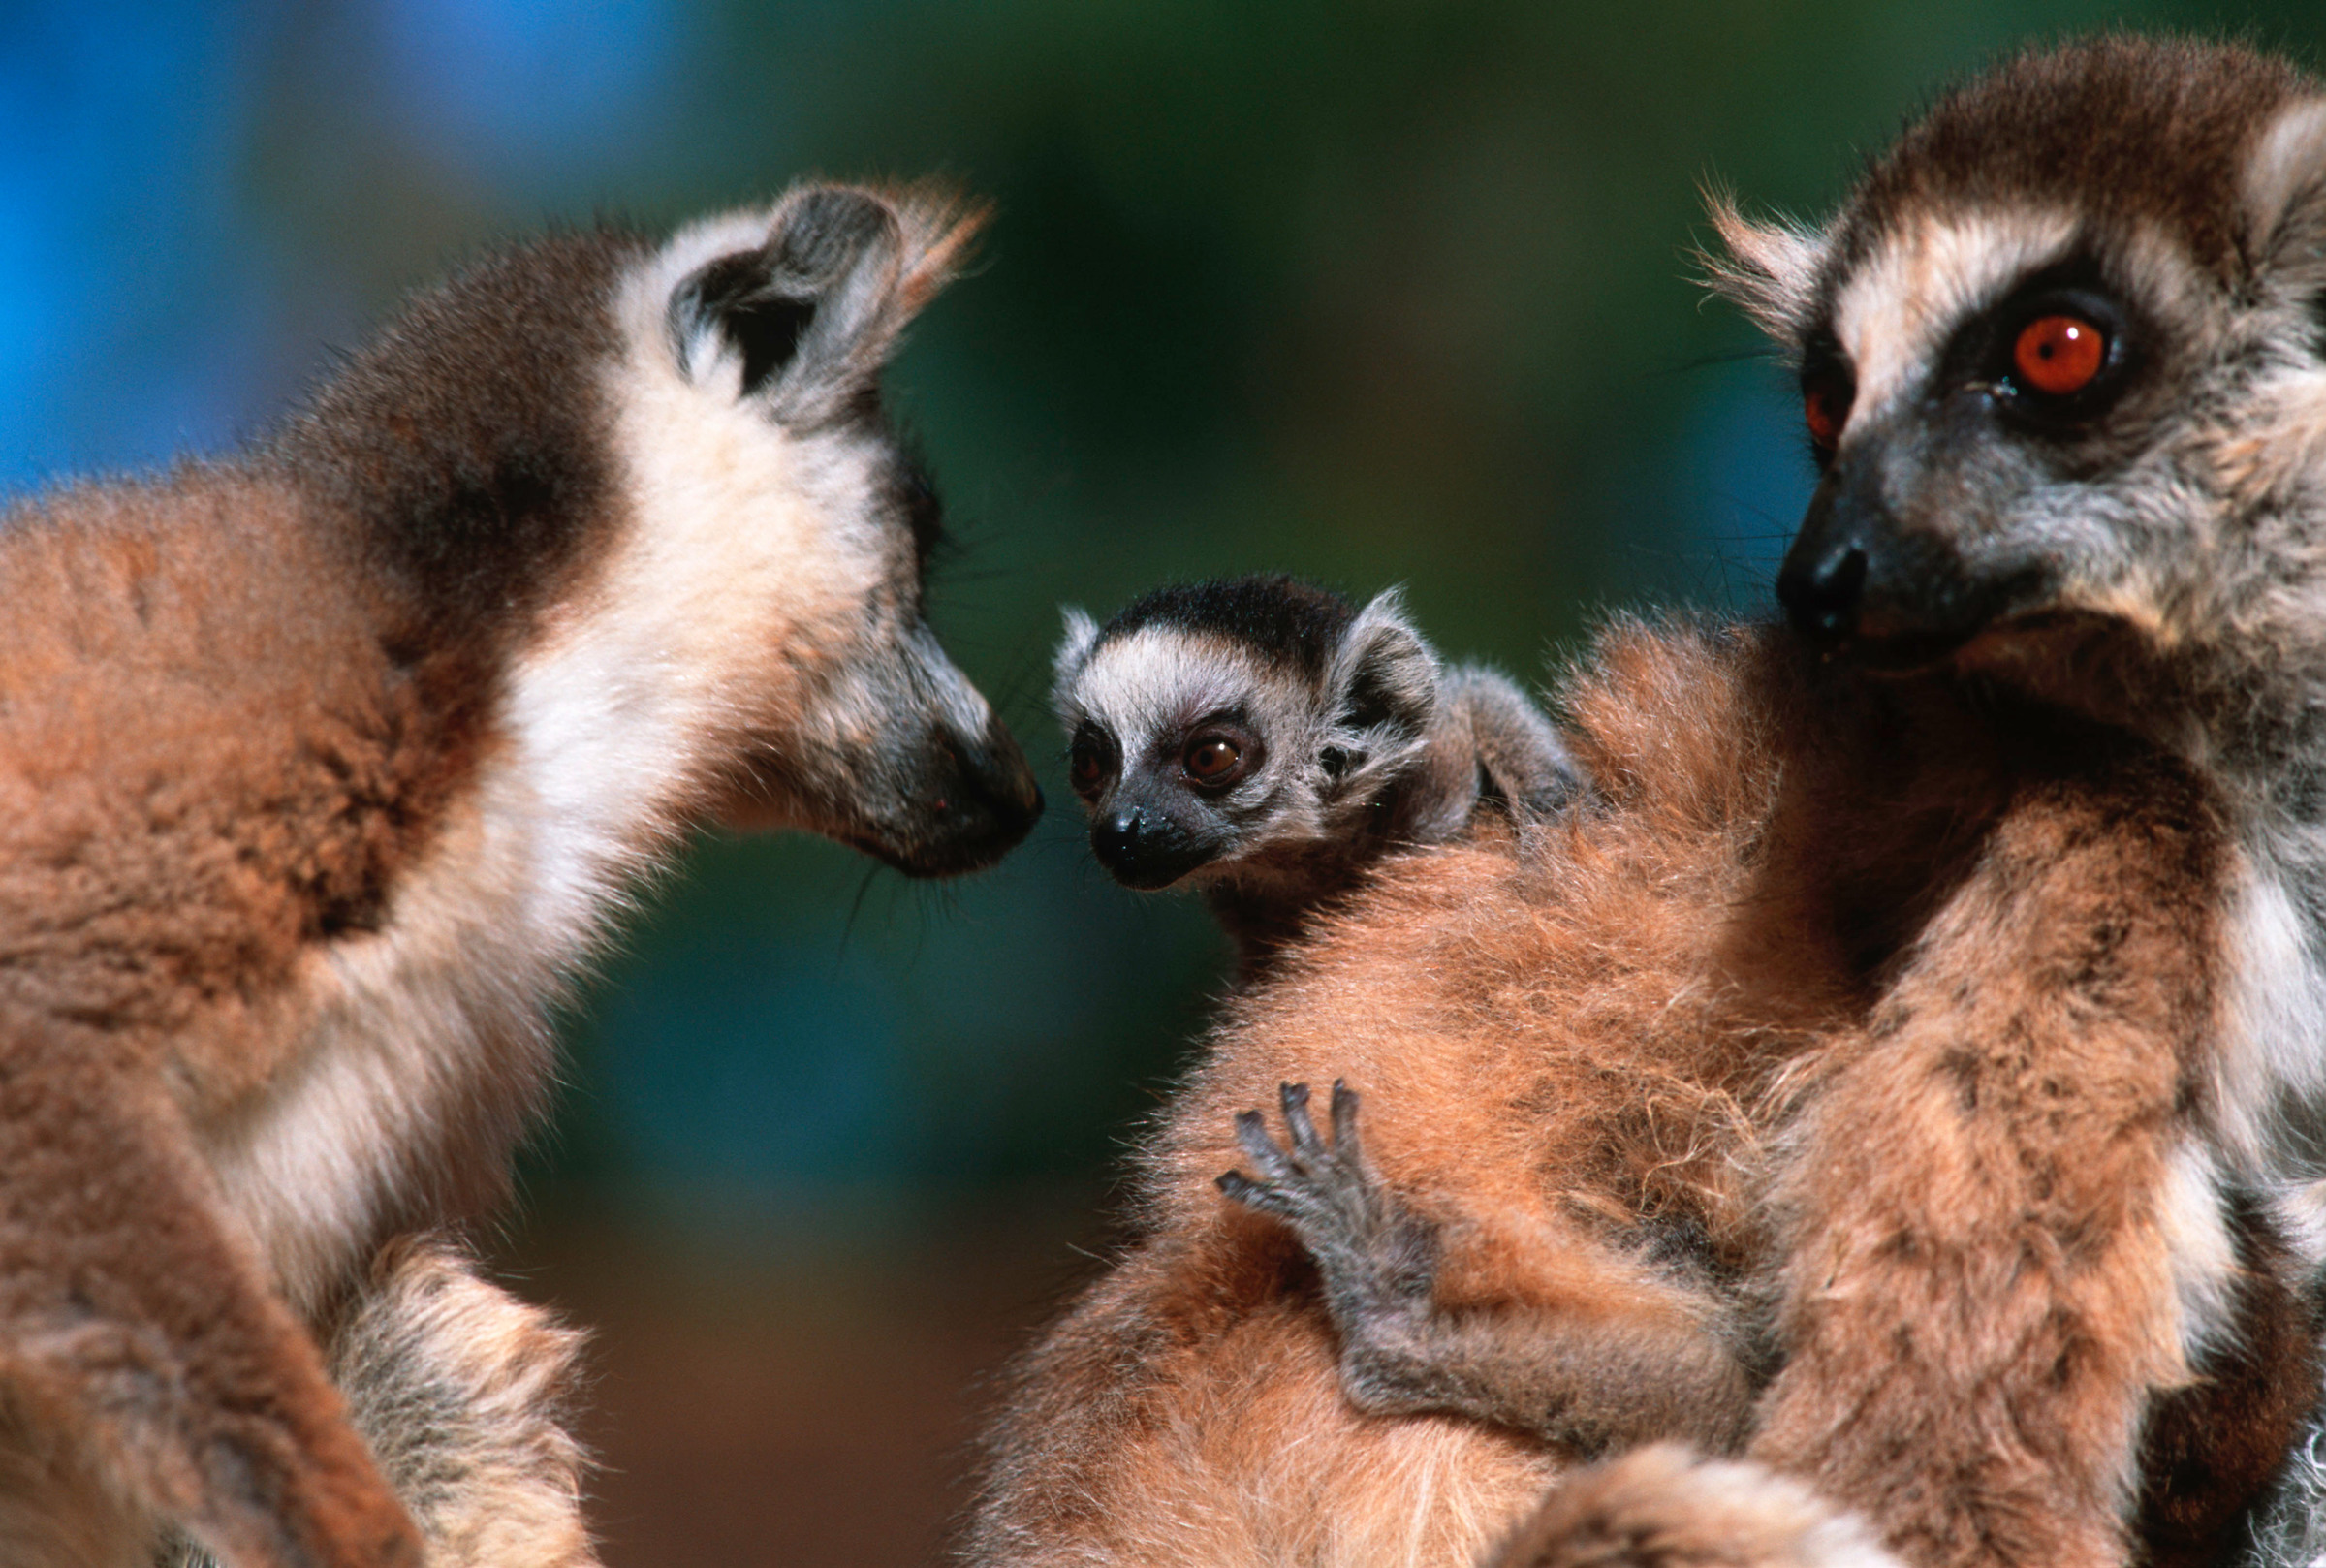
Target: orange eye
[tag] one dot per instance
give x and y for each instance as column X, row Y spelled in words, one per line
column 2058, row 355
column 1212, row 759
column 1826, row 409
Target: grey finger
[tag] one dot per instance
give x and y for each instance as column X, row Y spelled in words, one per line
column 1344, row 1119
column 1305, row 1140
column 1252, row 1133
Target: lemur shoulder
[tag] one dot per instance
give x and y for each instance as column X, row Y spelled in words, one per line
column 1916, row 1089
column 1269, row 741
column 324, row 767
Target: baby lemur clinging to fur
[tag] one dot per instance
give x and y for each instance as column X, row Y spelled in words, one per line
column 323, row 769
column 1270, row 741
column 1912, row 1073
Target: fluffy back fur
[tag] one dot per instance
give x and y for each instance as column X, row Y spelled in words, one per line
column 1583, row 1054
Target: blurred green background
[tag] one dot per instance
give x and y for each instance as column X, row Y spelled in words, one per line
column 1378, row 292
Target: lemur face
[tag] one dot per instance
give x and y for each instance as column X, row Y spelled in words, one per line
column 1228, row 729
column 1185, row 753
column 786, row 529
column 2059, row 358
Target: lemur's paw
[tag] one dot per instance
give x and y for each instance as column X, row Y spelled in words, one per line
column 1314, row 1187
column 1333, row 1200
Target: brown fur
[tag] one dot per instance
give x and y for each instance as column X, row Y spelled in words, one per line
column 1742, row 1516
column 1888, row 904
column 198, row 787
column 2117, row 128
column 323, row 770
column 1959, row 1074
column 464, row 1394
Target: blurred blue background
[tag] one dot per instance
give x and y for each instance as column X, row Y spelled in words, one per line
column 1387, row 291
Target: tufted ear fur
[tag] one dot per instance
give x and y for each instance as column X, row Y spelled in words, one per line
column 813, row 312
column 1074, row 650
column 2283, row 193
column 1382, row 683
column 1769, row 271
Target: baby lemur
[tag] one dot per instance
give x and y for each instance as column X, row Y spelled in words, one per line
column 1271, row 741
column 1912, row 1074
column 324, row 766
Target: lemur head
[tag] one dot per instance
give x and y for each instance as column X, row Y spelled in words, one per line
column 1231, row 729
column 2062, row 356
column 774, row 570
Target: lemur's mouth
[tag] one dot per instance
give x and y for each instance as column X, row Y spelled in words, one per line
column 2023, row 638
column 1899, row 652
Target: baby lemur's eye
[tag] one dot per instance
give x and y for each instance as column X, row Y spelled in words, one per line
column 1213, row 760
column 1089, row 761
column 2058, row 355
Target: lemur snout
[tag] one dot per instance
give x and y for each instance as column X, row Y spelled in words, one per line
column 1822, row 584
column 1890, row 587
column 1822, row 592
column 977, row 809
column 998, row 785
column 1115, row 837
column 1142, row 849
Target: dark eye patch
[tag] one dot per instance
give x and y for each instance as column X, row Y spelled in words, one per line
column 1829, row 386
column 1983, row 354
column 1091, row 758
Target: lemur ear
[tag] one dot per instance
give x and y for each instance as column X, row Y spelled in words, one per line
column 1769, row 271
column 1383, row 674
column 813, row 311
column 2282, row 194
column 1081, row 632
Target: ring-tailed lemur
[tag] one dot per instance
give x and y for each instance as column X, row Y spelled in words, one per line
column 1960, row 993
column 1270, row 741
column 324, row 767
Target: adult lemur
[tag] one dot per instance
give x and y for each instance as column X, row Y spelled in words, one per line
column 323, row 768
column 1269, row 740
column 1911, row 1074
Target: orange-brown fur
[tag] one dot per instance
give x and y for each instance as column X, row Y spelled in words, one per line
column 1949, row 1062
column 196, row 787
column 323, row 768
column 1806, row 905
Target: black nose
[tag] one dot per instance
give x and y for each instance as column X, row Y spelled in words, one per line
column 979, row 801
column 1144, row 849
column 1823, row 588
column 1114, row 839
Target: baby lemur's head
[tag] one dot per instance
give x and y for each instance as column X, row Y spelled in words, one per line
column 1238, row 728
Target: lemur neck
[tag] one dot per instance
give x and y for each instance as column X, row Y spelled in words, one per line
column 467, row 455
column 1265, row 922
column 1268, row 904
column 2258, row 731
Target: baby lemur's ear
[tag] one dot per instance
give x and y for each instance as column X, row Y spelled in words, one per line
column 1066, row 668
column 1074, row 649
column 1383, row 675
column 813, row 312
